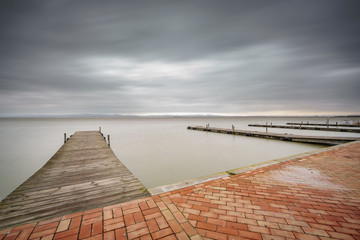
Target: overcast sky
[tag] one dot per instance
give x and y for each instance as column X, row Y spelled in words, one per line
column 230, row 57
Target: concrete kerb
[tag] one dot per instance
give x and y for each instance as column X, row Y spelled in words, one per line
column 186, row 183
column 195, row 181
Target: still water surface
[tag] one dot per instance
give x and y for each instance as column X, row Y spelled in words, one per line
column 158, row 151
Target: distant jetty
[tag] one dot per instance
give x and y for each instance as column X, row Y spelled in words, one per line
column 315, row 128
column 325, row 124
column 278, row 136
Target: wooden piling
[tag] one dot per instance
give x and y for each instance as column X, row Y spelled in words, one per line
column 266, row 127
column 64, row 137
column 108, row 137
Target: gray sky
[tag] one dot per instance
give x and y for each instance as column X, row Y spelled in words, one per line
column 144, row 57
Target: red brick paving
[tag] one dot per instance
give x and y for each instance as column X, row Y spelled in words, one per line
column 312, row 197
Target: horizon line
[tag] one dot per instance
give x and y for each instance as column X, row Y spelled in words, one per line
column 155, row 115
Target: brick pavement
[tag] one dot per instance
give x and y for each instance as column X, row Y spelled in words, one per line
column 311, row 197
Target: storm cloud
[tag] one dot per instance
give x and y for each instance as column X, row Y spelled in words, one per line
column 144, row 57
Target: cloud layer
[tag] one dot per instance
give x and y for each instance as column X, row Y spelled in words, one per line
column 138, row 57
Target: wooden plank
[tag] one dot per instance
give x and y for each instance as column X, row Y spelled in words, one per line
column 354, row 130
column 278, row 136
column 83, row 174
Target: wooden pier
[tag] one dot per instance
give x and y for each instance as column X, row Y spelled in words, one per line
column 278, row 136
column 324, row 124
column 83, row 174
column 354, row 130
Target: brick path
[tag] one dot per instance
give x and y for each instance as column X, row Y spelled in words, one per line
column 312, row 197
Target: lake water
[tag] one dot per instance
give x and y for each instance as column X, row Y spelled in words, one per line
column 158, row 151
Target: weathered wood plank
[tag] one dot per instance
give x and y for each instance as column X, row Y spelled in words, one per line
column 83, row 174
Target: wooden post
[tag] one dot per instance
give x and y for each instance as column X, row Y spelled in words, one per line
column 100, row 129
column 64, row 137
column 266, row 127
column 109, row 140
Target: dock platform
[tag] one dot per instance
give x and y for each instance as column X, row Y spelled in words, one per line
column 314, row 128
column 278, row 136
column 83, row 174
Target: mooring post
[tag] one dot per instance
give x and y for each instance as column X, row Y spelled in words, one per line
column 100, row 129
column 64, row 137
column 109, row 140
column 266, row 127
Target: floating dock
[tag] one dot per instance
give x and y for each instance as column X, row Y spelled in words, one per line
column 354, row 130
column 83, row 174
column 278, row 136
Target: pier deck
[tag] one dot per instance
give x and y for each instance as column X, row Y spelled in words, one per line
column 83, row 174
column 332, row 129
column 278, row 136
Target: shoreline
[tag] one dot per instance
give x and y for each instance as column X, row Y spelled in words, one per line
column 202, row 179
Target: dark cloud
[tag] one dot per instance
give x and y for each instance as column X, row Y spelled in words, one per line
column 230, row 56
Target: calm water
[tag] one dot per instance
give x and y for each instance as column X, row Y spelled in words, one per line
column 158, row 151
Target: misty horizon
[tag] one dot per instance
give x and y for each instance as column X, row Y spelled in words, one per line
column 173, row 115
